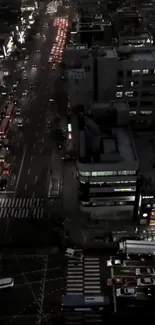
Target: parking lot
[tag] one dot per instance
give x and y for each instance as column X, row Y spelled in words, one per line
column 137, row 275
column 39, row 282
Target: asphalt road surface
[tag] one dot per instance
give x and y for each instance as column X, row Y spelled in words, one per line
column 33, row 150
column 42, row 279
column 39, row 284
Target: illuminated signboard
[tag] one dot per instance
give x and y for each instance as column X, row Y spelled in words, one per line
column 76, row 74
column 76, row 47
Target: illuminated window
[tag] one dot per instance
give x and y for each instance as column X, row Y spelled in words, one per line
column 129, row 93
column 132, row 113
column 84, row 173
column 135, row 72
column 119, row 94
column 145, row 71
column 145, row 112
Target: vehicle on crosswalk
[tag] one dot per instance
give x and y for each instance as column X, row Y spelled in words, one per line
column 145, row 271
column 74, row 254
column 145, row 282
column 126, row 292
column 6, row 283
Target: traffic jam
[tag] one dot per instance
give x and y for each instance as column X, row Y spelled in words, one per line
column 60, row 41
column 132, row 274
column 5, row 123
column 11, row 119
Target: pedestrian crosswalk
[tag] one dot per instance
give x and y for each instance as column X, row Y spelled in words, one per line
column 83, row 318
column 84, row 276
column 22, row 208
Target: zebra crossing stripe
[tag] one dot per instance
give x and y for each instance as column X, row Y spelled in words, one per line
column 20, row 208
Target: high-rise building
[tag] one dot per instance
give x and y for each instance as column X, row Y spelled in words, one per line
column 107, row 163
column 124, row 73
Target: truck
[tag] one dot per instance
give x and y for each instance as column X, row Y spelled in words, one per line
column 54, row 186
column 137, row 247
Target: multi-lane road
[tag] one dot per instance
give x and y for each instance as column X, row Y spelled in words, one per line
column 33, row 149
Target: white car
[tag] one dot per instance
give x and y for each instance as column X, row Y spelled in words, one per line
column 72, row 253
column 25, row 92
column 145, row 282
column 145, row 271
column 126, row 292
column 114, row 262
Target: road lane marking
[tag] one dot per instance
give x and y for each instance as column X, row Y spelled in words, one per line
column 34, row 145
column 14, row 157
column 113, row 291
column 13, row 179
column 36, row 179
column 33, row 194
column 41, row 150
column 20, row 170
column 31, row 158
column 29, row 171
column 18, row 144
column 25, row 187
column 36, row 134
column 42, row 140
column 38, row 124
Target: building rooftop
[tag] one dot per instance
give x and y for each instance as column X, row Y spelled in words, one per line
column 136, row 34
column 145, row 147
column 105, row 139
column 136, row 54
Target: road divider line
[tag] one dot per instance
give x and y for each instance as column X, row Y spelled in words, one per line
column 31, row 158
column 20, row 170
column 29, row 171
column 25, row 188
column 113, row 291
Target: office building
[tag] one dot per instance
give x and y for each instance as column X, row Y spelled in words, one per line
column 135, row 39
column 124, row 73
column 107, row 163
column 92, row 31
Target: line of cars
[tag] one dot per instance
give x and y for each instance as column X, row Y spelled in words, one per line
column 141, row 283
column 60, row 41
column 15, row 97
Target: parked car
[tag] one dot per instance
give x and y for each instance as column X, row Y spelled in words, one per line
column 145, row 282
column 126, row 292
column 145, row 271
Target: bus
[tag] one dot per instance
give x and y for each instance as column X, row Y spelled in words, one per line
column 9, row 111
column 4, row 127
column 80, row 302
column 6, row 283
column 54, row 186
column 137, row 247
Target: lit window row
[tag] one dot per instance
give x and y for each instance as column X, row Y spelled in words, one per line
column 132, row 113
column 129, row 93
column 108, row 173
column 145, row 112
